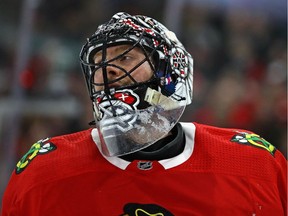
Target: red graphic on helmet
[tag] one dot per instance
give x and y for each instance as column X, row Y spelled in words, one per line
column 132, row 24
column 126, row 97
column 118, row 104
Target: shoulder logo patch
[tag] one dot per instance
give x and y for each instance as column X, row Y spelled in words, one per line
column 38, row 148
column 253, row 140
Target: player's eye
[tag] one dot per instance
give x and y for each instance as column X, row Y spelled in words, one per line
column 125, row 58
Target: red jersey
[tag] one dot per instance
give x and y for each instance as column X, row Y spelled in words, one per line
column 220, row 172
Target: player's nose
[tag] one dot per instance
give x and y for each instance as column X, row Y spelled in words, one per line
column 113, row 72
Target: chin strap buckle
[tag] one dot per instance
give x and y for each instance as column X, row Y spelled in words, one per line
column 156, row 98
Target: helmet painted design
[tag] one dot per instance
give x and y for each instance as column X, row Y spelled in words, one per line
column 132, row 117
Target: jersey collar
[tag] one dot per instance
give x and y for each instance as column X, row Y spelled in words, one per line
column 189, row 131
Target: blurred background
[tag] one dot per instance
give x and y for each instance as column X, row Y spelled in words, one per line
column 240, row 66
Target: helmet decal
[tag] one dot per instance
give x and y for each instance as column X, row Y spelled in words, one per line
column 122, row 101
column 179, row 62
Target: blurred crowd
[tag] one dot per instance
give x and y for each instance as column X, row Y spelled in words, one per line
column 240, row 71
column 240, row 66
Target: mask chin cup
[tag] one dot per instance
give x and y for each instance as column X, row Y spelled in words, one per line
column 133, row 130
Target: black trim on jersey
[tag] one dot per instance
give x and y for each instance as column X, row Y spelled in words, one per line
column 168, row 147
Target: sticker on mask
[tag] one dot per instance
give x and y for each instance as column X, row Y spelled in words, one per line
column 119, row 110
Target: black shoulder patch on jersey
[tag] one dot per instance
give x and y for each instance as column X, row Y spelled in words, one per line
column 40, row 147
column 253, row 140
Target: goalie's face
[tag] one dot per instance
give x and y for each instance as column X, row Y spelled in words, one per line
column 127, row 122
column 121, row 68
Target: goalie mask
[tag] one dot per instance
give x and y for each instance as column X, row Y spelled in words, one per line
column 132, row 113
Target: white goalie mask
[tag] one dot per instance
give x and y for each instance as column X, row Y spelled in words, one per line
column 132, row 117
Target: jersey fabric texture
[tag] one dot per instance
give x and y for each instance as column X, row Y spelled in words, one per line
column 220, row 172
